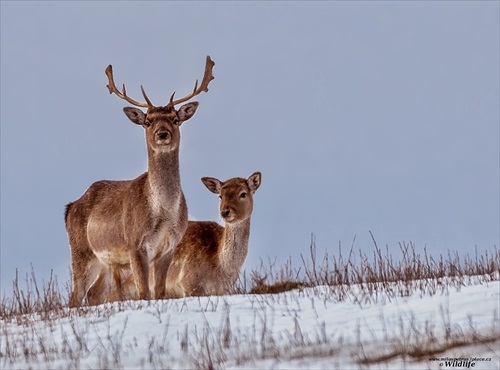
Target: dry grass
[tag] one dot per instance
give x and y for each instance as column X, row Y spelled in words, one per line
column 358, row 276
column 376, row 276
column 353, row 276
column 46, row 300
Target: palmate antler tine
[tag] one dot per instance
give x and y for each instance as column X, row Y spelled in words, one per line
column 209, row 65
column 123, row 94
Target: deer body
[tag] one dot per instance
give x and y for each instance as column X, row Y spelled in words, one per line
column 130, row 224
column 208, row 260
column 209, row 257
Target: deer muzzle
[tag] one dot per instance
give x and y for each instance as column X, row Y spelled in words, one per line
column 164, row 136
column 227, row 214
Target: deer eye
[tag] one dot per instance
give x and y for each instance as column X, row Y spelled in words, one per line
column 243, row 195
column 147, row 124
column 175, row 121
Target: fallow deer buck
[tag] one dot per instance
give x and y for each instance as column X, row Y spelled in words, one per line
column 209, row 256
column 134, row 223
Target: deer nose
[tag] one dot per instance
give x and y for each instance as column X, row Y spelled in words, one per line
column 162, row 135
column 225, row 213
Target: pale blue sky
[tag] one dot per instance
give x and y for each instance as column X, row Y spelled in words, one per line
column 361, row 116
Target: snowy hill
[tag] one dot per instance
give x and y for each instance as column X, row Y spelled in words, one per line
column 306, row 329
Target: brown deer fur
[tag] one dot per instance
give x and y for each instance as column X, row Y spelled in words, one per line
column 117, row 224
column 209, row 256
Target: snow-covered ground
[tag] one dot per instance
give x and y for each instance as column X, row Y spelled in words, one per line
column 304, row 329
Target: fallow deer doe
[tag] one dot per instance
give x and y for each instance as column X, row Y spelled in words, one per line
column 209, row 256
column 130, row 224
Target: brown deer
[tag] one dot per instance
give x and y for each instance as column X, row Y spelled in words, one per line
column 209, row 256
column 130, row 224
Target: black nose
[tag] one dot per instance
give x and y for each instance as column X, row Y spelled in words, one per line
column 162, row 135
column 224, row 213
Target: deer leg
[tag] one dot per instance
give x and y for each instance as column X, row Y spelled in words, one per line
column 127, row 287
column 83, row 274
column 160, row 269
column 96, row 291
column 118, row 282
column 98, row 276
column 140, row 269
column 78, row 291
column 79, row 262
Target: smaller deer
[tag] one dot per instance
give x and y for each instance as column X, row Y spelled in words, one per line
column 209, row 257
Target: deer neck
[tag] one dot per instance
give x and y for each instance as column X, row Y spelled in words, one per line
column 164, row 179
column 234, row 247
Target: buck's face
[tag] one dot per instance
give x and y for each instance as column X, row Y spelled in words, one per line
column 162, row 124
column 236, row 196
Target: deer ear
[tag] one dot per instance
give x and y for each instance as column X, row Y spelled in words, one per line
column 253, row 181
column 135, row 115
column 212, row 184
column 187, row 111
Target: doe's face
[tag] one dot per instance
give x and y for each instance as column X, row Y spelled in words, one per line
column 236, row 196
column 236, row 200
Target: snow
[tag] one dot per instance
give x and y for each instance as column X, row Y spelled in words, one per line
column 304, row 329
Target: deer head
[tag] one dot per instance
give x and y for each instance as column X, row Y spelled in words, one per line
column 162, row 123
column 236, row 196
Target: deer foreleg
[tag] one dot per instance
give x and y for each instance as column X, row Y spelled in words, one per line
column 140, row 269
column 118, row 282
column 160, row 269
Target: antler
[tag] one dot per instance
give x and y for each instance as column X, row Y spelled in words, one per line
column 203, row 87
column 123, row 94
